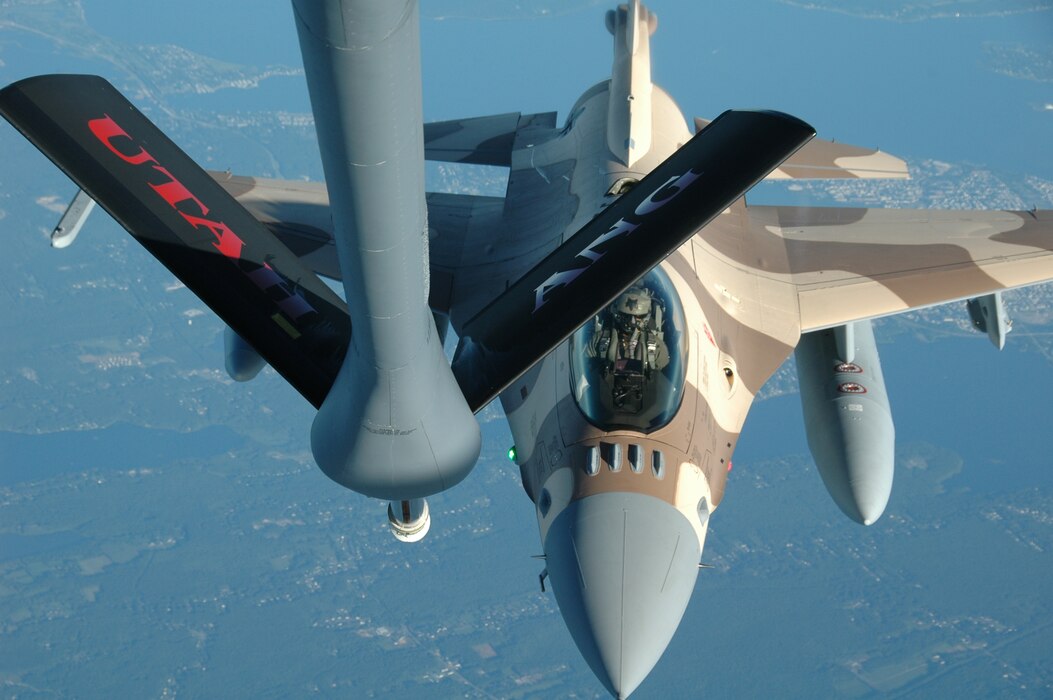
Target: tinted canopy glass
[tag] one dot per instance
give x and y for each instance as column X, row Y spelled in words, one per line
column 628, row 364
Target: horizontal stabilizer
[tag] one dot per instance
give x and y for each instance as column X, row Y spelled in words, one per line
column 828, row 160
column 188, row 222
column 620, row 245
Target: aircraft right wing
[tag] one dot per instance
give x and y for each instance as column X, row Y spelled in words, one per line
column 823, row 159
column 849, row 264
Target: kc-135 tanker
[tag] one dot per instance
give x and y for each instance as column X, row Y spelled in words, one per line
column 622, row 300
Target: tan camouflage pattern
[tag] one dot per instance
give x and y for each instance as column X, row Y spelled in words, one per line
column 851, row 264
column 822, row 159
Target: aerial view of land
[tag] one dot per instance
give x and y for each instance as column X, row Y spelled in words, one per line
column 164, row 531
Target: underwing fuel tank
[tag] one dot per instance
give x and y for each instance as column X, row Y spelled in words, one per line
column 988, row 315
column 242, row 361
column 847, row 417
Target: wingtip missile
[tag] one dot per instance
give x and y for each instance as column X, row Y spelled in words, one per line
column 72, row 220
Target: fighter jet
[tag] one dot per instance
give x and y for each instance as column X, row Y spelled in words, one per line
column 622, row 300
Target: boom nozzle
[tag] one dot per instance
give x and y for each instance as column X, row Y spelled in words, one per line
column 410, row 520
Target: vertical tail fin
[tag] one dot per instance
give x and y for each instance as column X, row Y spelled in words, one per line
column 629, row 107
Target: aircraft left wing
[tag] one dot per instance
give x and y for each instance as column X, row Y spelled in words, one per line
column 297, row 213
column 848, row 264
column 485, row 140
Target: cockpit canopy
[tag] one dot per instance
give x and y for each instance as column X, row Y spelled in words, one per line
column 629, row 363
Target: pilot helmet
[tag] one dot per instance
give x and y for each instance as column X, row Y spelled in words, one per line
column 632, row 309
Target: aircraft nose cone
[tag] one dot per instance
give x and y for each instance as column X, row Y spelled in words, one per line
column 622, row 567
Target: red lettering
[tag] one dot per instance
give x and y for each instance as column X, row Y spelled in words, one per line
column 227, row 242
column 175, row 191
column 106, row 130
